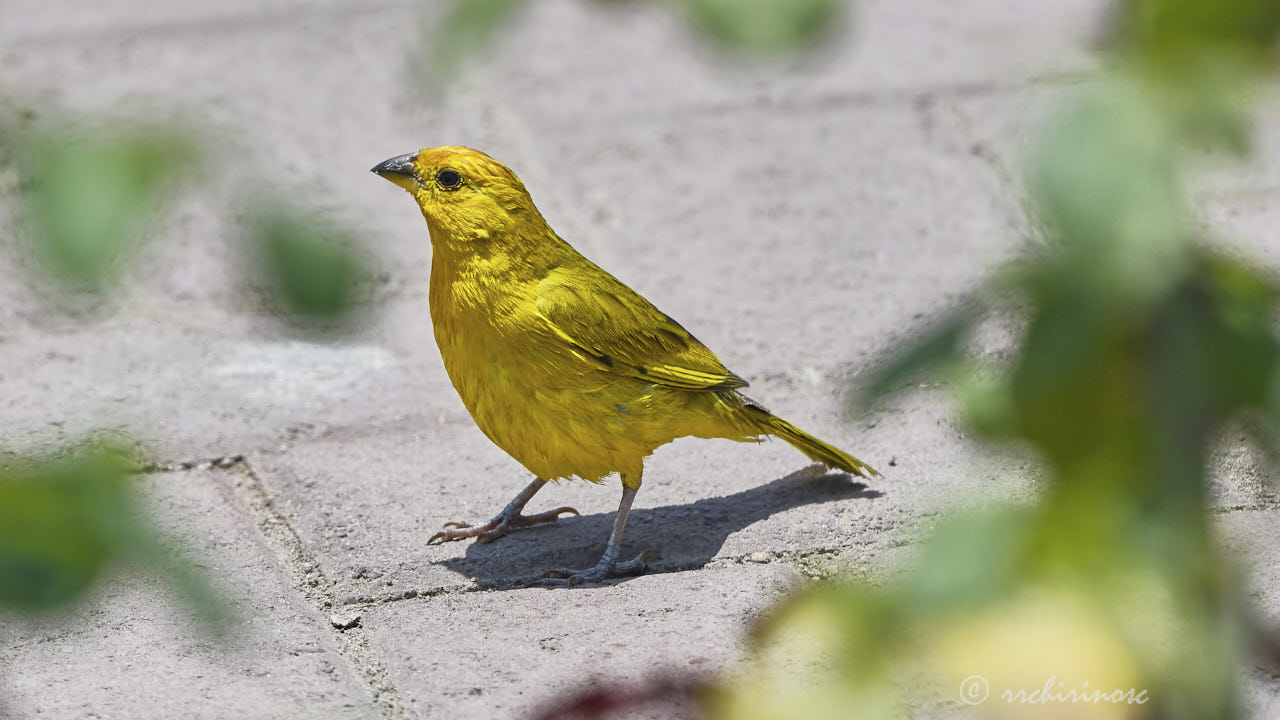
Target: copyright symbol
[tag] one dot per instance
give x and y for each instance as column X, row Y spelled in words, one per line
column 974, row 690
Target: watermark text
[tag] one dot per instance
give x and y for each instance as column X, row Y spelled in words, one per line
column 975, row 689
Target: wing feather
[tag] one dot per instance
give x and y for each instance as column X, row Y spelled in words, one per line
column 601, row 317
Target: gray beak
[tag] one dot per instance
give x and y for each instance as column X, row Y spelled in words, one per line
column 398, row 165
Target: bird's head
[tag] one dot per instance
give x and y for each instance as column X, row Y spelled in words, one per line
column 465, row 195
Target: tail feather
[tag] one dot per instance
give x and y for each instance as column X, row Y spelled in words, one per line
column 812, row 447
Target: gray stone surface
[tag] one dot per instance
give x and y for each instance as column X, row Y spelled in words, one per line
column 131, row 651
column 798, row 217
column 1245, row 533
column 364, row 501
column 1260, row 561
column 503, row 653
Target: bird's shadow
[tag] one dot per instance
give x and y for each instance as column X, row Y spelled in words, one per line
column 688, row 536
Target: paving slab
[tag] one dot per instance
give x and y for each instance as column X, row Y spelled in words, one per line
column 193, row 393
column 307, row 130
column 1236, row 204
column 1243, row 221
column 1253, row 537
column 183, row 336
column 787, row 243
column 1233, row 199
column 256, row 128
column 1240, row 475
column 626, row 219
column 364, row 501
column 133, row 650
column 881, row 48
column 797, row 219
column 503, row 654
column 365, row 498
column 68, row 22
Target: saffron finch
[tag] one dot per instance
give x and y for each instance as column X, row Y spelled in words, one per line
column 568, row 370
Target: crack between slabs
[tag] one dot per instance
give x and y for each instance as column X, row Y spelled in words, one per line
column 303, row 572
column 319, row 591
column 222, row 462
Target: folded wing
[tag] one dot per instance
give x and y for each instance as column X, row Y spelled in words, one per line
column 605, row 320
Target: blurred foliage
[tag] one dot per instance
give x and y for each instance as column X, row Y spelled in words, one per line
column 770, row 27
column 940, row 342
column 314, row 270
column 88, row 196
column 66, row 519
column 467, row 28
column 1186, row 33
column 1140, row 343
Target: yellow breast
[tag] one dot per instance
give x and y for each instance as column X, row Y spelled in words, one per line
column 553, row 410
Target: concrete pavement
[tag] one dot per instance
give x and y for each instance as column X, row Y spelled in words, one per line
column 797, row 219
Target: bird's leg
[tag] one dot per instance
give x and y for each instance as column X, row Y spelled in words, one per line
column 608, row 565
column 502, row 523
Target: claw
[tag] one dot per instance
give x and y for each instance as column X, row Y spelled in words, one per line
column 563, row 578
column 497, row 527
column 549, row 516
column 602, row 571
column 452, row 531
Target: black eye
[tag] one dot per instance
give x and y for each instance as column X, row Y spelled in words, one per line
column 448, row 179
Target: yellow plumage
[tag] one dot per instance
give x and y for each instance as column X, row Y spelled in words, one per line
column 560, row 364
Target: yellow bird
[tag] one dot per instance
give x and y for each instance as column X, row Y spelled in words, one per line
column 568, row 370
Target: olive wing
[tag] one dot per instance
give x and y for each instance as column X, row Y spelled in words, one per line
column 604, row 319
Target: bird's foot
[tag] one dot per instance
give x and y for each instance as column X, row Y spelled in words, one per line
column 497, row 527
column 606, row 568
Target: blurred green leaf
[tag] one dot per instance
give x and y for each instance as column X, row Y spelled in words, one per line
column 765, row 25
column 1172, row 30
column 1105, row 175
column 986, row 401
column 971, row 558
column 818, row 655
column 314, row 271
column 65, row 519
column 89, row 197
column 1244, row 349
column 1138, row 346
column 936, row 346
column 55, row 528
column 1199, row 59
column 468, row 27
column 1061, row 385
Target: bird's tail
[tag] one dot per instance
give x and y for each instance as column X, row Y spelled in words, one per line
column 812, row 447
